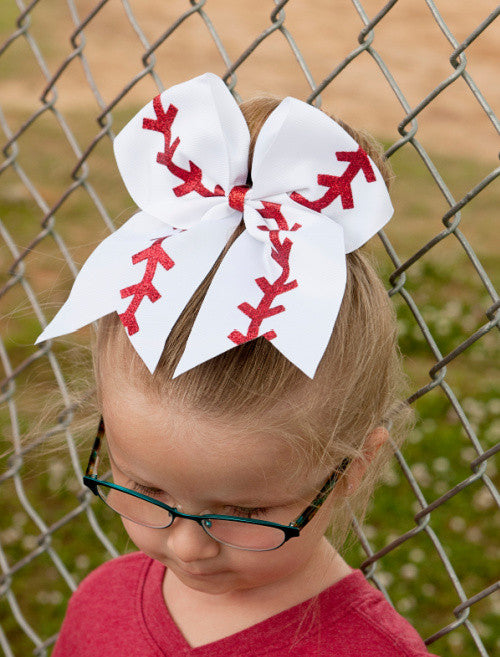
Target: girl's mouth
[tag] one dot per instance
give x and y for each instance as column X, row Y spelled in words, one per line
column 200, row 574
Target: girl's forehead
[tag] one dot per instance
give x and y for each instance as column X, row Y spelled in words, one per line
column 159, row 441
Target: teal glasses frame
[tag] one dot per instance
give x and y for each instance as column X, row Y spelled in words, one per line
column 91, row 481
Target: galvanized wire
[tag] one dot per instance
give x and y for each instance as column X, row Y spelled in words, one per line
column 47, row 227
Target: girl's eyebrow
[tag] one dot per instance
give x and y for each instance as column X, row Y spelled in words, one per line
column 246, row 504
column 134, row 477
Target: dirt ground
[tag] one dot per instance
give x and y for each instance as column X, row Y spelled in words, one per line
column 408, row 39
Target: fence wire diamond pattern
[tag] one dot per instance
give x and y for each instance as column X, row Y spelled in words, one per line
column 56, row 150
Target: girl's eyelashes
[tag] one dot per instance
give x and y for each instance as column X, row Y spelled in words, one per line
column 146, row 490
column 240, row 511
column 247, row 513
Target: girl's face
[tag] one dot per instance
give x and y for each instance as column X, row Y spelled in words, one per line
column 200, row 466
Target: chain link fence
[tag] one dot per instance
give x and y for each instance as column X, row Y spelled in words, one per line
column 73, row 72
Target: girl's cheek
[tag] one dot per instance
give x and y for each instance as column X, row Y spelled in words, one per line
column 141, row 537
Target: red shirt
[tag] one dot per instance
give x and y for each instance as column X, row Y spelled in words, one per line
column 119, row 611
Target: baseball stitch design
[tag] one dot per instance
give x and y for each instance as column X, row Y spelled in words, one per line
column 281, row 254
column 192, row 177
column 340, row 185
column 155, row 254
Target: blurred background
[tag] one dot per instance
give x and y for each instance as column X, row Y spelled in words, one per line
column 421, row 76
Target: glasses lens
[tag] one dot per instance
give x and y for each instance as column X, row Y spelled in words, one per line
column 134, row 508
column 244, row 535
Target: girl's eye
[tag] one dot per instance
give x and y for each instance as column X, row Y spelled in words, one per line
column 239, row 511
column 247, row 513
column 146, row 490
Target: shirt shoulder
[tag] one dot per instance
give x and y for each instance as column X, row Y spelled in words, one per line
column 102, row 613
column 366, row 622
column 111, row 577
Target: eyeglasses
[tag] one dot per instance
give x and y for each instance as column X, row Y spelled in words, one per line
column 241, row 533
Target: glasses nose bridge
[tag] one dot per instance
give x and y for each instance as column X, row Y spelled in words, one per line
column 175, row 513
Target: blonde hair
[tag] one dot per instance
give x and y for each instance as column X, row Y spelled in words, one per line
column 357, row 387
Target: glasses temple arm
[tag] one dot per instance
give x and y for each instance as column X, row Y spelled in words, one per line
column 315, row 505
column 91, row 470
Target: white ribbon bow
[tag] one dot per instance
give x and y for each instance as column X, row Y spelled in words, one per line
column 316, row 196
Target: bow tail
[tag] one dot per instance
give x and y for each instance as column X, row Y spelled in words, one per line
column 146, row 271
column 264, row 287
column 108, row 269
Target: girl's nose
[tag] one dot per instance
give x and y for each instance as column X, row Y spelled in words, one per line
column 189, row 541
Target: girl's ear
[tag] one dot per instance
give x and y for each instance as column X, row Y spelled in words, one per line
column 357, row 468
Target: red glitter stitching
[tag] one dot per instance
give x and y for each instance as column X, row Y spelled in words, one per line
column 340, row 185
column 280, row 253
column 154, row 255
column 192, row 177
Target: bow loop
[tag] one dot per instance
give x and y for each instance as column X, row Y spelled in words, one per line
column 179, row 157
column 316, row 195
column 301, row 151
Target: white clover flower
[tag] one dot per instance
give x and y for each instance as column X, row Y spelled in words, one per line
column 441, row 464
column 483, row 499
column 385, row 578
column 57, row 470
column 428, row 589
column 457, row 524
column 369, row 531
column 415, row 436
column 49, row 597
column 468, row 454
column 29, row 542
column 492, row 433
column 474, row 535
column 492, row 552
column 455, row 640
column 390, row 477
column 440, row 487
column 392, row 536
column 493, row 406
column 408, row 571
column 474, row 409
column 19, row 519
column 483, row 629
column 421, row 473
column 417, row 555
column 82, row 561
column 454, row 309
column 10, row 535
column 407, row 604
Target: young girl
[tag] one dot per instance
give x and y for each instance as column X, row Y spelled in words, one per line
column 246, row 381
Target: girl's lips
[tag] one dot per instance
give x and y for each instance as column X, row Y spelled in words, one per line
column 200, row 574
column 193, row 573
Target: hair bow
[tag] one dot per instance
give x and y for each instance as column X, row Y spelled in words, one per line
column 316, row 195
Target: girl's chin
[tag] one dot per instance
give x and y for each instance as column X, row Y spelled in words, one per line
column 214, row 584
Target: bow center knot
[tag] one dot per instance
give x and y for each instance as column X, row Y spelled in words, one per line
column 236, row 197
